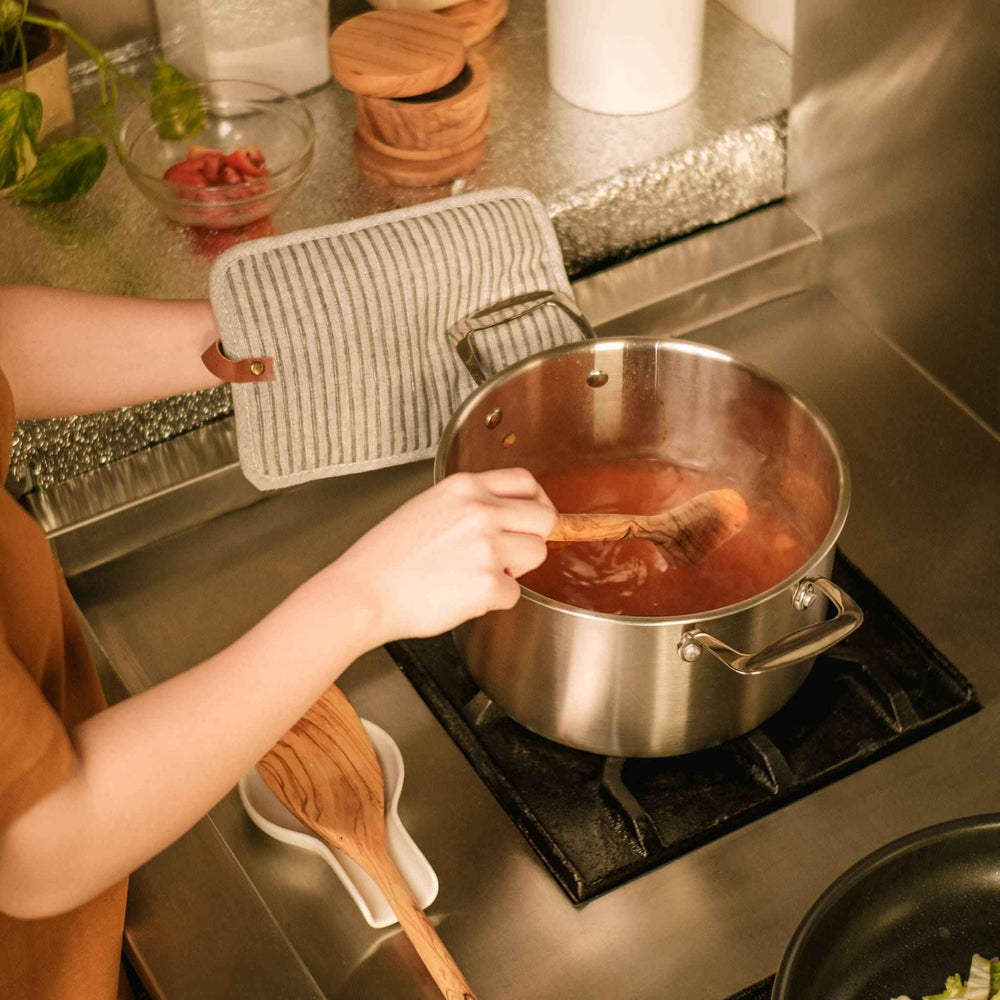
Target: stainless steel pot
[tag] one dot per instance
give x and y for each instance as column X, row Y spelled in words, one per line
column 650, row 687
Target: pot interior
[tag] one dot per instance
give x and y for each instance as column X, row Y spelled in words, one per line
column 637, row 398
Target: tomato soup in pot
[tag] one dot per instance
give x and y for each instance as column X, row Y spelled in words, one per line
column 631, row 576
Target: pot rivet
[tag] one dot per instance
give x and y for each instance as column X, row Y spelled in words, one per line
column 256, row 367
column 493, row 418
column 688, row 650
column 509, row 440
column 596, row 379
column 805, row 594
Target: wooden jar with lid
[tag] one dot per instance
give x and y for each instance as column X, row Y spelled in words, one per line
column 422, row 100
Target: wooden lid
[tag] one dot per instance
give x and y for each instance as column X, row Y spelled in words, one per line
column 396, row 53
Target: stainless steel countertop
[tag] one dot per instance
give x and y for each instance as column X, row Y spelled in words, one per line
column 226, row 912
column 610, row 184
column 577, row 162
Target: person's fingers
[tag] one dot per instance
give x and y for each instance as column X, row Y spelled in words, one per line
column 508, row 592
column 513, row 483
column 529, row 517
column 543, row 497
column 519, row 553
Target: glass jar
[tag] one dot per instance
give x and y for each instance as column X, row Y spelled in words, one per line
column 283, row 43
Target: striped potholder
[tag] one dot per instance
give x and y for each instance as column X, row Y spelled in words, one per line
column 355, row 317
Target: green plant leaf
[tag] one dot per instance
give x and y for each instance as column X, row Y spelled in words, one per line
column 177, row 107
column 20, row 120
column 105, row 117
column 11, row 12
column 64, row 170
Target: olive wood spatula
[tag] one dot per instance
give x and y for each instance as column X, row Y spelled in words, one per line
column 325, row 772
column 685, row 534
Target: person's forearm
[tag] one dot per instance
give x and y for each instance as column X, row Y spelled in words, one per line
column 151, row 766
column 148, row 768
column 67, row 352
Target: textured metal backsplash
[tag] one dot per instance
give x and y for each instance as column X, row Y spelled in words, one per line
column 46, row 452
column 651, row 203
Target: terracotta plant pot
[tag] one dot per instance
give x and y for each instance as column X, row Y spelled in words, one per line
column 48, row 76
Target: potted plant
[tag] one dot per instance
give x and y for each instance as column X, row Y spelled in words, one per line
column 44, row 50
column 32, row 38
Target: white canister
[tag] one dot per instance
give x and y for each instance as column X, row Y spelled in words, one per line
column 626, row 57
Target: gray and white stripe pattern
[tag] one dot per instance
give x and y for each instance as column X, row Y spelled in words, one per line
column 355, row 316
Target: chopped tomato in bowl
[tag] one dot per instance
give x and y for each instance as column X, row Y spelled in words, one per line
column 206, row 167
column 218, row 180
column 252, row 151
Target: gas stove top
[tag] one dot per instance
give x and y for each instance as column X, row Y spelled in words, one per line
column 596, row 822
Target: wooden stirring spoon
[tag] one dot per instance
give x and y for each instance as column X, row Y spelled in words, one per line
column 685, row 534
column 325, row 772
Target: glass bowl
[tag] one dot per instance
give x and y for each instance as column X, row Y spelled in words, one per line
column 239, row 113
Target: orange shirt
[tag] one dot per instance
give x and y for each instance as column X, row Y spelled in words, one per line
column 47, row 685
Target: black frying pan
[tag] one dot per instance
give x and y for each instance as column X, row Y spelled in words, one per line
column 902, row 919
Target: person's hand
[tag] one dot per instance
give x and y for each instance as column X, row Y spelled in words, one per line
column 450, row 554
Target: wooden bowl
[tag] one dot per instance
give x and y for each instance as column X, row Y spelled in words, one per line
column 442, row 119
column 437, row 153
column 416, row 173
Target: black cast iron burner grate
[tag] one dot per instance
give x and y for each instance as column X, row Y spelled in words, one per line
column 597, row 822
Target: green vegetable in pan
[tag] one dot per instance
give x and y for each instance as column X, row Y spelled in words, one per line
column 983, row 983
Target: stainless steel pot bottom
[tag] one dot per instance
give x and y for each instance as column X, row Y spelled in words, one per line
column 582, row 697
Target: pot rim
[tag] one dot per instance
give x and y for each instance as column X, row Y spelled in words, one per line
column 684, row 347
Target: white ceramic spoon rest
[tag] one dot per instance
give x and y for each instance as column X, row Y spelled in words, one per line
column 275, row 820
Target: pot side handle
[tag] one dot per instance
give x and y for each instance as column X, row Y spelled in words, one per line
column 462, row 333
column 802, row 644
